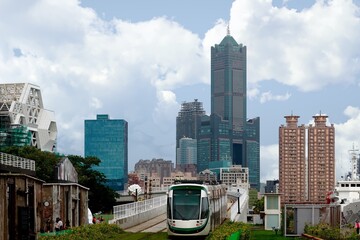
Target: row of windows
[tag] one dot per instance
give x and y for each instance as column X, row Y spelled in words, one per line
column 350, row 185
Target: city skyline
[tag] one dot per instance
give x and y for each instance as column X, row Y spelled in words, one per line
column 228, row 136
column 114, row 58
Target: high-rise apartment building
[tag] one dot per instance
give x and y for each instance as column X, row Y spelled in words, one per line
column 227, row 137
column 107, row 139
column 321, row 159
column 306, row 160
column 23, row 119
column 292, row 161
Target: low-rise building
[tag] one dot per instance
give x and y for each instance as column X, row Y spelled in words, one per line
column 20, row 206
column 28, row 205
column 235, row 175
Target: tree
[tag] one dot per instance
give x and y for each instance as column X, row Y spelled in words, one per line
column 101, row 197
column 259, row 205
column 44, row 161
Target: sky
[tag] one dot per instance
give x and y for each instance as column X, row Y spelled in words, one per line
column 139, row 60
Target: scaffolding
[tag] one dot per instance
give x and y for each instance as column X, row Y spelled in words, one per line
column 13, row 135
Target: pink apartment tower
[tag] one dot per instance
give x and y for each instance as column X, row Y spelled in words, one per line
column 306, row 161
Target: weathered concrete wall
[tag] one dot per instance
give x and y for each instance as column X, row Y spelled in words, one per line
column 20, row 205
column 69, row 201
column 140, row 218
column 3, row 209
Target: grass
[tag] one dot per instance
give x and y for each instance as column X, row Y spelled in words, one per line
column 259, row 234
column 143, row 236
column 113, row 232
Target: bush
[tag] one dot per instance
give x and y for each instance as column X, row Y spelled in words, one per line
column 325, row 231
column 228, row 228
column 93, row 231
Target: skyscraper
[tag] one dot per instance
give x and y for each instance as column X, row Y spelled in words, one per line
column 107, row 139
column 228, row 137
column 188, row 124
column 188, row 120
column 187, row 152
column 306, row 165
column 228, row 83
column 23, row 119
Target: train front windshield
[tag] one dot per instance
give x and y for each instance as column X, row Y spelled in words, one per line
column 186, row 204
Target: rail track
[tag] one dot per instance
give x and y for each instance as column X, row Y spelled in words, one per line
column 157, row 224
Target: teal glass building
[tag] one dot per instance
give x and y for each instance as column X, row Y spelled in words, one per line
column 107, row 139
column 228, row 135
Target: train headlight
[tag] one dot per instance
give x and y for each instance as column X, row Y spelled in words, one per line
column 199, row 223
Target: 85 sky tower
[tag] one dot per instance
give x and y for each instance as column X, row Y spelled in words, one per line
column 228, row 137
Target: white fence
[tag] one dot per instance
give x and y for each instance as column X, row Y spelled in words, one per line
column 153, row 190
column 18, row 162
column 131, row 209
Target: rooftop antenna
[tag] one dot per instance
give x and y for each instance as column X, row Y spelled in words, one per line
column 228, row 29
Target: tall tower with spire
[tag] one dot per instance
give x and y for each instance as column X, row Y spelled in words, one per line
column 228, row 137
column 228, row 82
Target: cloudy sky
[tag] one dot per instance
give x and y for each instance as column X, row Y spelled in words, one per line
column 139, row 60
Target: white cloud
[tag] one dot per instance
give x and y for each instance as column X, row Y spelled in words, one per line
column 253, row 92
column 347, row 138
column 132, row 70
column 85, row 66
column 309, row 49
column 269, row 162
column 268, row 96
column 95, row 103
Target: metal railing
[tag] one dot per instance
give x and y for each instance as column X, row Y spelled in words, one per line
column 153, row 190
column 131, row 209
column 18, row 162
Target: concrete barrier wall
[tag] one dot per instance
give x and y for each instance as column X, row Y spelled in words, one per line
column 233, row 212
column 139, row 218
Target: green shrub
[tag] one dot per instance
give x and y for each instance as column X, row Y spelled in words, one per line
column 93, row 231
column 228, row 228
column 325, row 231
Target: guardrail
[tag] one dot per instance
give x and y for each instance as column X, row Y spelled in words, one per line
column 18, row 162
column 131, row 209
column 153, row 190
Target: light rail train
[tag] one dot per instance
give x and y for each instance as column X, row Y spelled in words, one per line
column 195, row 209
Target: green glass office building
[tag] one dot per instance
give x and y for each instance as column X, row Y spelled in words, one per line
column 107, row 139
column 228, row 135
